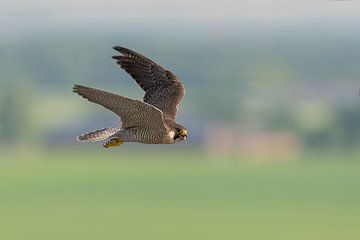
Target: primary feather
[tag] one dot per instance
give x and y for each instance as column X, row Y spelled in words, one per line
column 162, row 88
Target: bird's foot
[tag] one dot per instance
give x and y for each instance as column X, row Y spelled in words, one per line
column 114, row 142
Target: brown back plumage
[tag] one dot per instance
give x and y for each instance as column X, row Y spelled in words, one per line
column 162, row 88
column 131, row 112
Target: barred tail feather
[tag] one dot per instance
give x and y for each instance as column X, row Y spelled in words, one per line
column 98, row 135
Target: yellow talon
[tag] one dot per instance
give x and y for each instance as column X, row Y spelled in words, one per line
column 114, row 142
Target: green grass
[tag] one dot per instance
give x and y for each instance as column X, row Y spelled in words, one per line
column 191, row 196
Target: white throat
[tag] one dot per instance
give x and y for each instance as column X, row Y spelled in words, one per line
column 169, row 138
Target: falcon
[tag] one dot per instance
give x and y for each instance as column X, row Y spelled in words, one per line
column 151, row 121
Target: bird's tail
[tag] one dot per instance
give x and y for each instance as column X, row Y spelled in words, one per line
column 98, row 135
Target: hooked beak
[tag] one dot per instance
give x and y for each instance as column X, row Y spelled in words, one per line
column 183, row 134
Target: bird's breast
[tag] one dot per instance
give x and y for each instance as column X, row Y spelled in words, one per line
column 169, row 137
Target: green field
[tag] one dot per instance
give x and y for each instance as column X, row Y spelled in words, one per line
column 119, row 195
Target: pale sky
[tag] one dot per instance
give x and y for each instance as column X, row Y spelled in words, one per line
column 30, row 13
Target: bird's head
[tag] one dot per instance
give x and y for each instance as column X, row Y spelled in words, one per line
column 180, row 133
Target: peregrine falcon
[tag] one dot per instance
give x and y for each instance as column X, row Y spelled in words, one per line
column 151, row 121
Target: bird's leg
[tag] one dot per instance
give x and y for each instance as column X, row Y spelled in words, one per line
column 114, row 142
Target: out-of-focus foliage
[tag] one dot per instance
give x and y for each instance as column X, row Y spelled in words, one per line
column 304, row 82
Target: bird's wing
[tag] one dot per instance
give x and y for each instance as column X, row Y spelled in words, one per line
column 162, row 88
column 132, row 112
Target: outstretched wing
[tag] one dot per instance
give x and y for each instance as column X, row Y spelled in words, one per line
column 162, row 88
column 132, row 112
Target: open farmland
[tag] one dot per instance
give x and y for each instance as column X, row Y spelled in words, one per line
column 131, row 196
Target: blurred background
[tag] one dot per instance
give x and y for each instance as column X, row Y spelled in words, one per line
column 272, row 106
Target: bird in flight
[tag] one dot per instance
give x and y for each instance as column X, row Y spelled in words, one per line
column 151, row 121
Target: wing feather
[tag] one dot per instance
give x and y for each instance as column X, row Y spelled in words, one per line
column 162, row 88
column 132, row 112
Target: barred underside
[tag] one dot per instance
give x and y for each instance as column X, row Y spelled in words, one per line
column 98, row 135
